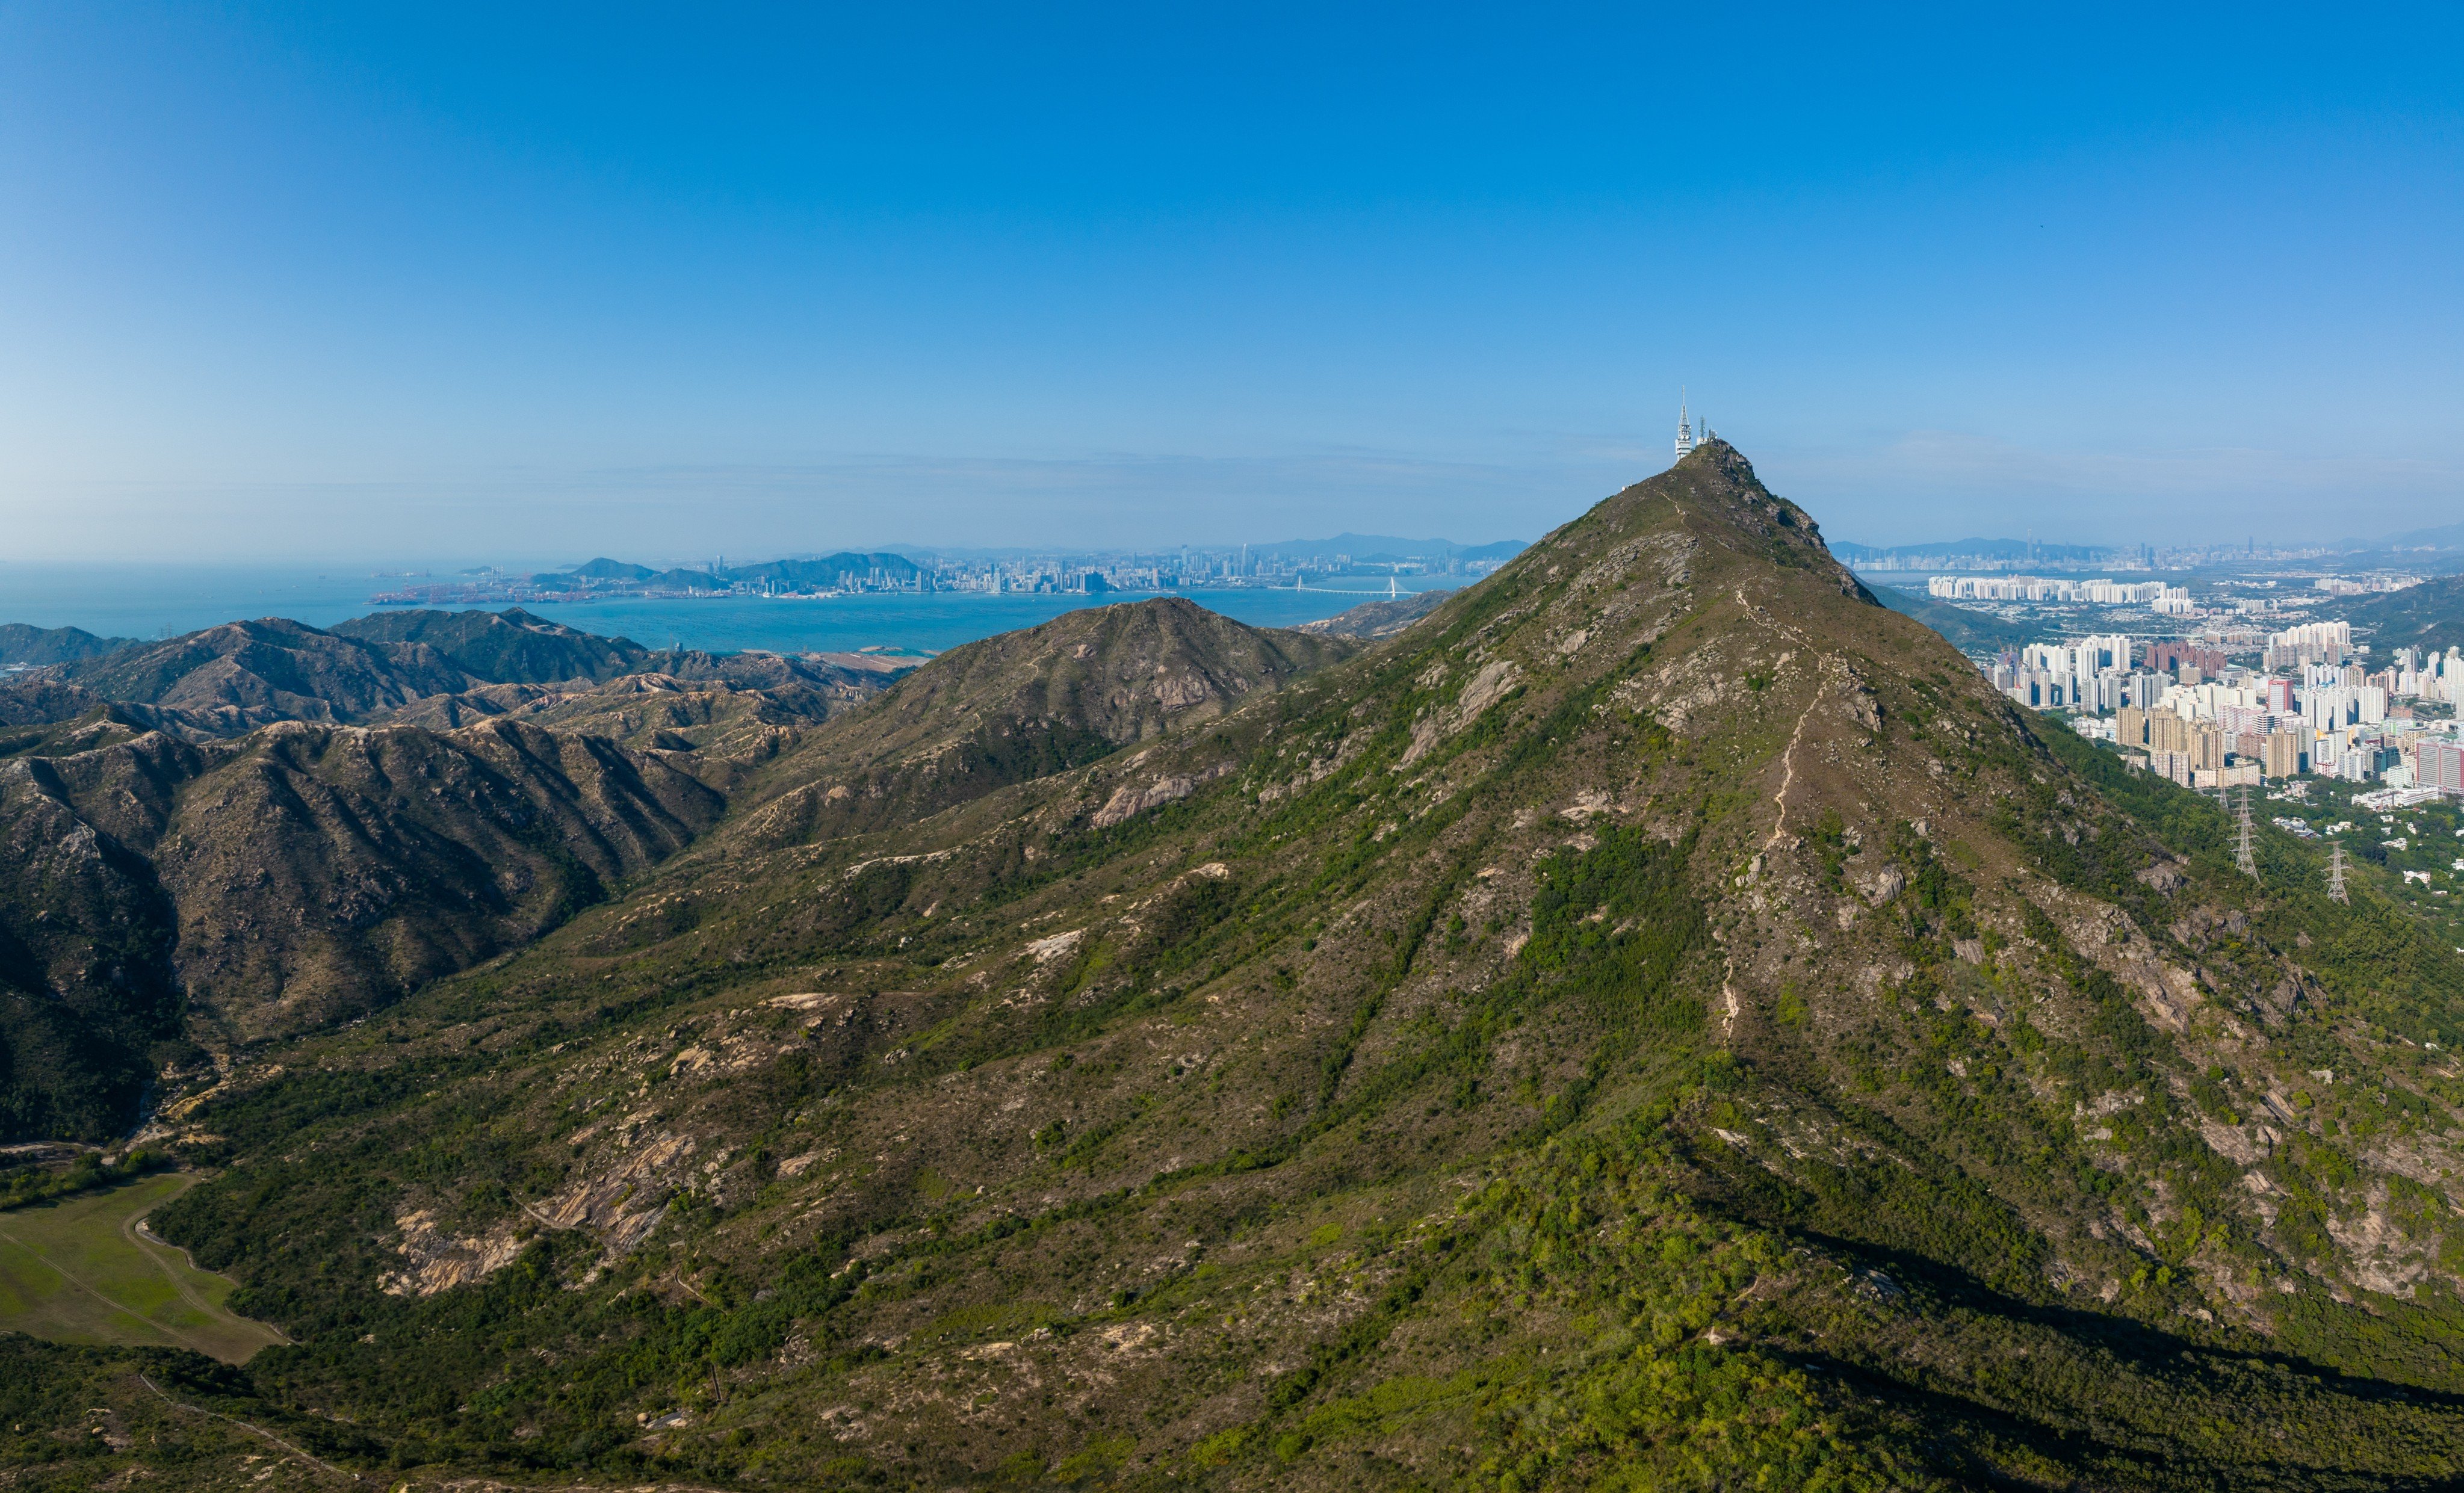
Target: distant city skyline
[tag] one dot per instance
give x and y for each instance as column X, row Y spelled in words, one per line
column 351, row 284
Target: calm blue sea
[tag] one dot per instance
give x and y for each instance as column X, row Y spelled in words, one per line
column 161, row 601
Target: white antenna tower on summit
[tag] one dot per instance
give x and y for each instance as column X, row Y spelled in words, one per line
column 1685, row 428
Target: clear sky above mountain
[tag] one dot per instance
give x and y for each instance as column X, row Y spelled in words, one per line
column 373, row 280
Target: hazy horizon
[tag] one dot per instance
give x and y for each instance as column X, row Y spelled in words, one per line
column 349, row 286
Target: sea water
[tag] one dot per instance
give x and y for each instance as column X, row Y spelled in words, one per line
column 147, row 601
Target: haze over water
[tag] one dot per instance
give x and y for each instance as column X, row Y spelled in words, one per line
column 156, row 601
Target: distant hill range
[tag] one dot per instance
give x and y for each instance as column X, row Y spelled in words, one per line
column 234, row 678
column 1381, row 549
column 1970, row 549
column 20, row 643
column 2445, row 537
column 1967, row 630
column 2429, row 615
column 789, row 574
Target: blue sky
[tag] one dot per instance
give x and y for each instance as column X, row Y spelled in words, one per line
column 367, row 282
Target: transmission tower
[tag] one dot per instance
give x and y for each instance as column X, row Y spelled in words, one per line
column 2336, row 873
column 2247, row 863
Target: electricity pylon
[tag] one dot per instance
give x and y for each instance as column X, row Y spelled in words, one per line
column 2242, row 857
column 2336, row 873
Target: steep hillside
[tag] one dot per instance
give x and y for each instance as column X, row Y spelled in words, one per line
column 736, row 710
column 1963, row 628
column 1019, row 706
column 812, row 685
column 1661, row 1021
column 37, row 699
column 89, row 1008
column 648, row 709
column 2429, row 615
column 245, row 674
column 511, row 647
column 154, row 889
column 20, row 643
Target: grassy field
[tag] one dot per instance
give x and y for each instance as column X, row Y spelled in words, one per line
column 83, row 1271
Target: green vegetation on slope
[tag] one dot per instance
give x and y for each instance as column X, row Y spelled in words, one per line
column 1963, row 628
column 2429, row 615
column 1661, row 1021
column 20, row 643
column 84, row 1270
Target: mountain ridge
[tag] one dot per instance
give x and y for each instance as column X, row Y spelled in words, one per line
column 21, row 644
column 1661, row 1018
column 2429, row 615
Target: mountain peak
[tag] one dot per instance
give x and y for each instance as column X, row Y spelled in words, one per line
column 1658, row 983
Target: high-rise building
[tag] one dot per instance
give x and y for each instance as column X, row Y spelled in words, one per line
column 2280, row 753
column 2442, row 767
column 2206, row 747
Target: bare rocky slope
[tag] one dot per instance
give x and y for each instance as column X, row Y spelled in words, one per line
column 1661, row 1021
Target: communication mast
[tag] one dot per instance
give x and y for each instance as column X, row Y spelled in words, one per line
column 2336, row 873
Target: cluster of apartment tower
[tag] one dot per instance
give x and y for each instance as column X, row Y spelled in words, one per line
column 2154, row 595
column 2182, row 712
